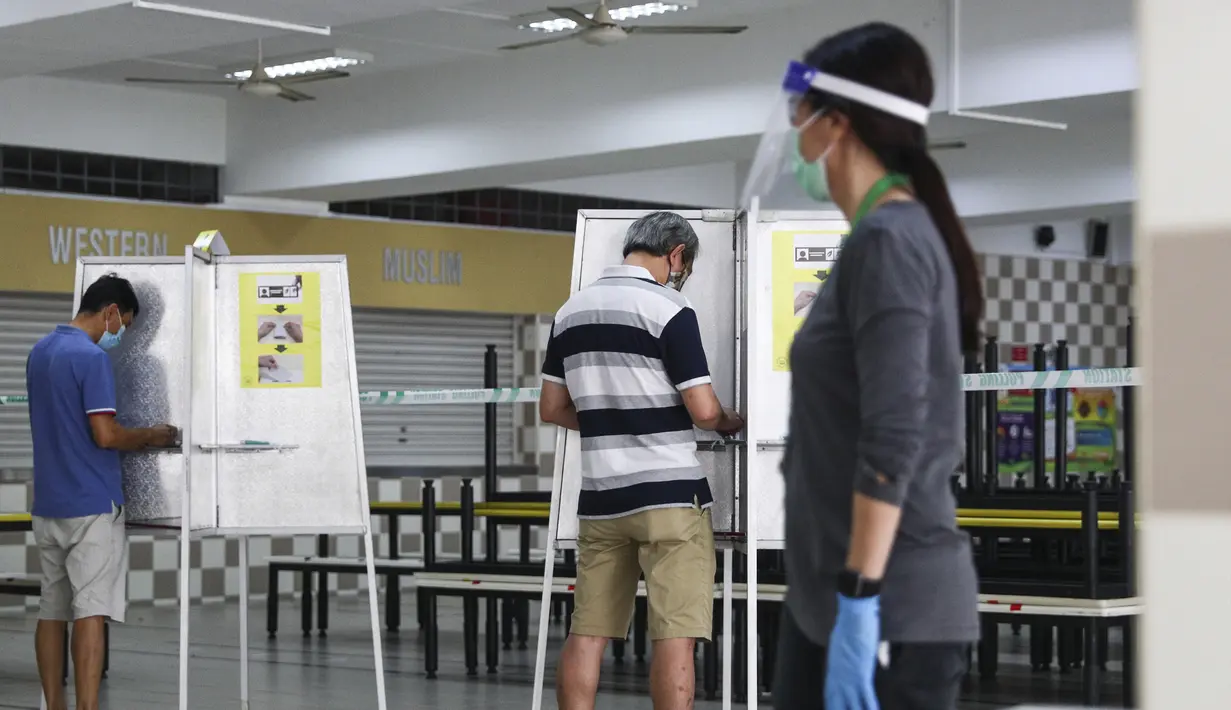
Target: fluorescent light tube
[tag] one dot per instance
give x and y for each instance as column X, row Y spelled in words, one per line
column 330, row 60
column 231, row 17
column 552, row 23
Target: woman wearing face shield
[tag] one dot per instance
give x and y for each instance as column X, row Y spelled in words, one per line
column 872, row 546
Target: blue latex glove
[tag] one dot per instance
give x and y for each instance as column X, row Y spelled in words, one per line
column 851, row 662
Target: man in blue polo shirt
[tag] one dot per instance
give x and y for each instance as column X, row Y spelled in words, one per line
column 78, row 512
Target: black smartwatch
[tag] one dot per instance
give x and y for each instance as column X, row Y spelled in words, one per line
column 853, row 585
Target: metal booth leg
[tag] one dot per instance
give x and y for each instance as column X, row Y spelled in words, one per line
column 322, row 584
column 306, row 604
column 271, row 603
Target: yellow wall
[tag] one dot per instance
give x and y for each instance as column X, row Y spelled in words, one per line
column 502, row 271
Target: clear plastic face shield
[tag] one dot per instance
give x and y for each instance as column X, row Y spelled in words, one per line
column 780, row 176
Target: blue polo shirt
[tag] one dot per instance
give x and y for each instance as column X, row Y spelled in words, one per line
column 69, row 380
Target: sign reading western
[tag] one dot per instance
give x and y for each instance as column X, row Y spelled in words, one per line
column 423, row 266
column 70, row 242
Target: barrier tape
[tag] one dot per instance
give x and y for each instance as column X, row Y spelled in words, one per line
column 1053, row 379
column 981, row 382
column 500, row 395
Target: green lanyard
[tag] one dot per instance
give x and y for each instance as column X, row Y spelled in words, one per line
column 877, row 191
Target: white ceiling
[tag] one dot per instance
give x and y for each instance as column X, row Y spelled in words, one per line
column 403, row 35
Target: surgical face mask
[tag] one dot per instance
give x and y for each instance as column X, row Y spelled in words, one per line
column 811, row 176
column 109, row 339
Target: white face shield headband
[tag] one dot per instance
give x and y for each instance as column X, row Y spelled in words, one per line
column 772, row 176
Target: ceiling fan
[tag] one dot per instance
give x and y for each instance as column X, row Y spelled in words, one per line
column 258, row 82
column 600, row 30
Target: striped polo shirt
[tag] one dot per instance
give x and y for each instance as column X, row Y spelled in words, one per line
column 625, row 347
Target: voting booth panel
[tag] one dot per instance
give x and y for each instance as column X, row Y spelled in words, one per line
column 308, row 401
column 151, row 384
column 789, row 256
column 269, row 449
column 711, row 289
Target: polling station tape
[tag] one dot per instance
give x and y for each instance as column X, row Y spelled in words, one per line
column 980, row 382
column 499, row 395
column 1053, row 380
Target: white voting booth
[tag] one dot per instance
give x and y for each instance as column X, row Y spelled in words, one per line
column 750, row 288
column 271, row 436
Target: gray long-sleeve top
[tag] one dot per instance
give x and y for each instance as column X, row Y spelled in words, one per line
column 876, row 407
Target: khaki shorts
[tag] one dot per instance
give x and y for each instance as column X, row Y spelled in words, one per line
column 85, row 566
column 672, row 547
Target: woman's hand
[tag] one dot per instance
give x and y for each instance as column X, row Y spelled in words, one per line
column 851, row 657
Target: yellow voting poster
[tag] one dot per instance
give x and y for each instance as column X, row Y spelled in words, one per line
column 280, row 330
column 801, row 262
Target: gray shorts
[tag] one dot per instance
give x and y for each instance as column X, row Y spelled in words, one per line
column 85, row 566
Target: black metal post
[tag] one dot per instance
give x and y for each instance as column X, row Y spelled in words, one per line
column 973, row 440
column 1126, row 466
column 1040, row 422
column 431, row 635
column 492, row 633
column 322, row 606
column 467, row 520
column 490, row 485
column 1090, row 537
column 393, row 584
column 991, row 472
column 1128, row 553
column 1061, row 466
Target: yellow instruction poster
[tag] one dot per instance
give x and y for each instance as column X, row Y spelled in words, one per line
column 280, row 330
column 801, row 262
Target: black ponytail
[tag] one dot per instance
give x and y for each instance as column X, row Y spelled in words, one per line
column 931, row 190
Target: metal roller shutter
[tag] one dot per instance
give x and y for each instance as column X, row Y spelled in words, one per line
column 405, row 350
column 24, row 318
column 396, row 350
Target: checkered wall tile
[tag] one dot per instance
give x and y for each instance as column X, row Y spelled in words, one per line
column 1033, row 300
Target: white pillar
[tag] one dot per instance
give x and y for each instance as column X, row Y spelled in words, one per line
column 1183, row 249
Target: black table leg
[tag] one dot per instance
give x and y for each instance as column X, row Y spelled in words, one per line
column 739, row 655
column 523, row 624
column 568, row 616
column 106, row 647
column 641, row 621
column 508, row 608
column 67, row 657
column 271, row 603
column 470, row 633
column 322, row 598
column 1090, row 666
column 617, row 650
column 492, row 634
column 306, row 609
column 1041, row 646
column 989, row 648
column 421, row 608
column 709, row 669
column 393, row 583
column 1129, row 670
column 431, row 641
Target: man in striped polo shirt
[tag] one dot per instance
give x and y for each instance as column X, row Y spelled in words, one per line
column 625, row 367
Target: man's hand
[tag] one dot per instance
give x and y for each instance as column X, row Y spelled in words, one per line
column 265, row 329
column 730, row 423
column 164, row 436
column 266, row 361
column 294, row 330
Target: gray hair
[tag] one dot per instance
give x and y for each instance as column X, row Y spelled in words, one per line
column 658, row 233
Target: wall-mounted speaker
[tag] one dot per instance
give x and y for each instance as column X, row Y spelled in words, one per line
column 1044, row 236
column 1096, row 238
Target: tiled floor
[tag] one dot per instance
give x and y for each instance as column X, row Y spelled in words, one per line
column 294, row 673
